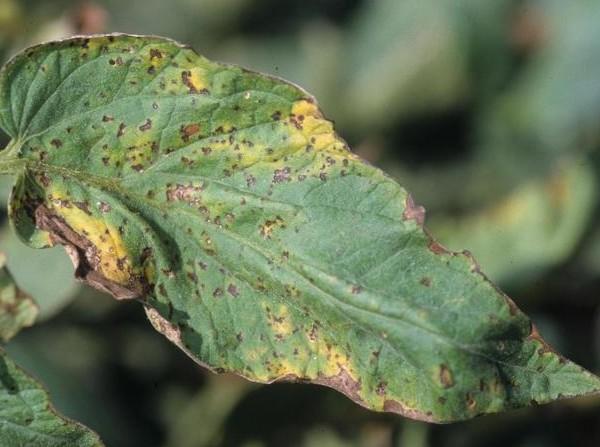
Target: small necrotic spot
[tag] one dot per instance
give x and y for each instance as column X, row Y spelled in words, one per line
column 233, row 290
column 446, row 377
column 188, row 131
column 471, row 402
column 313, row 334
column 146, row 126
column 56, row 143
column 155, row 54
column 281, row 175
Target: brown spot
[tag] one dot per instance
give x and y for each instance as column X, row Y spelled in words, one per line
column 147, row 253
column 218, row 292
column 185, row 78
column 446, row 377
column 188, row 131
column 107, row 118
column 121, row 130
column 155, row 54
column 184, row 193
column 281, row 175
column 266, row 230
column 83, row 206
column 471, row 402
column 413, row 212
column 356, row 289
column 146, row 126
column 381, row 388
column 104, row 207
column 426, row 281
column 56, row 143
column 313, row 334
column 437, row 248
column 233, row 290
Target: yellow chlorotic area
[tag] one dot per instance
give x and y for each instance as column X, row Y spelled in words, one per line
column 299, row 351
column 113, row 259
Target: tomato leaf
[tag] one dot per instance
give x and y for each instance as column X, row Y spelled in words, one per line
column 17, row 309
column 27, row 418
column 258, row 243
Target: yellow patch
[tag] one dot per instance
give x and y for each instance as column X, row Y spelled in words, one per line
column 113, row 258
column 332, row 360
column 282, row 322
column 310, row 127
column 196, row 79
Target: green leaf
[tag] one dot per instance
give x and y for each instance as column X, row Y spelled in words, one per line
column 257, row 242
column 28, row 419
column 532, row 229
column 17, row 309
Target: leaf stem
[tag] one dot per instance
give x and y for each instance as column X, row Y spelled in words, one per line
column 10, row 166
column 10, row 163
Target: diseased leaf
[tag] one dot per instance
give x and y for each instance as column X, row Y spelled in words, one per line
column 27, row 418
column 17, row 309
column 257, row 242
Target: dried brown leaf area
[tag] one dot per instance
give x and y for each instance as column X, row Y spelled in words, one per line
column 256, row 240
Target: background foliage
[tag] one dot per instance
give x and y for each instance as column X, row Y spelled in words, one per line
column 485, row 111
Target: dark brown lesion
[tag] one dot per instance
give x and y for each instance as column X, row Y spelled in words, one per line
column 85, row 257
column 413, row 211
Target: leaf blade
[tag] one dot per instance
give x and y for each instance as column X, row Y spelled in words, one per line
column 259, row 244
column 27, row 418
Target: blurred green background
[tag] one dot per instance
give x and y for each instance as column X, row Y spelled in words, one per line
column 487, row 111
